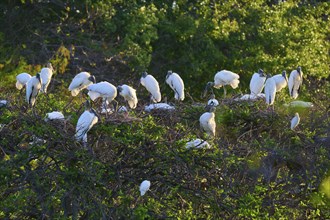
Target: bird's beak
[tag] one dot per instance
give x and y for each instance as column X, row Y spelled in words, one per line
column 205, row 91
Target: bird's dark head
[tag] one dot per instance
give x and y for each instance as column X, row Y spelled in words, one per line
column 210, row 108
column 269, row 75
column 92, row 79
column 169, row 73
column 261, row 73
column 299, row 70
column 208, row 86
column 144, row 74
column 88, row 105
column 284, row 75
column 49, row 65
column 38, row 77
column 119, row 89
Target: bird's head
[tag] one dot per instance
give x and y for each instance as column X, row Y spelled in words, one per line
column 38, row 77
column 88, row 105
column 92, row 79
column 119, row 89
column 208, row 86
column 210, row 108
column 261, row 73
column 169, row 73
column 269, row 75
column 49, row 65
column 144, row 74
column 299, row 70
column 285, row 76
column 296, row 114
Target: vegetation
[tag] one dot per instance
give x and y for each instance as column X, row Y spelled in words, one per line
column 256, row 167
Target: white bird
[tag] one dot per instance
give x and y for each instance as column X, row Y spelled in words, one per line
column 176, row 84
column 251, row 97
column 85, row 122
column 295, row 121
column 144, row 187
column 22, row 79
column 80, row 82
column 222, row 78
column 197, row 143
column 295, row 82
column 270, row 90
column 55, row 115
column 257, row 82
column 102, row 89
column 281, row 81
column 33, row 87
column 151, row 84
column 3, row 103
column 212, row 101
column 207, row 121
column 46, row 76
column 160, row 106
column 129, row 95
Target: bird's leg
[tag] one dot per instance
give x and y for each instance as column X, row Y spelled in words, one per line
column 224, row 91
column 115, row 105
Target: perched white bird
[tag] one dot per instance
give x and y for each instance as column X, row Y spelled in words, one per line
column 295, row 82
column 3, row 103
column 129, row 95
column 160, row 106
column 197, row 143
column 176, row 84
column 151, row 84
column 251, row 97
column 80, row 82
column 46, row 76
column 270, row 90
column 222, row 78
column 212, row 101
column 144, row 187
column 295, row 121
column 22, row 79
column 257, row 82
column 55, row 115
column 105, row 90
column 33, row 87
column 207, row 121
column 85, row 122
column 281, row 81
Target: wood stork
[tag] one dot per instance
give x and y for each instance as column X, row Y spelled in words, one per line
column 22, row 79
column 222, row 78
column 46, row 76
column 270, row 90
column 197, row 143
column 105, row 90
column 295, row 121
column 295, row 82
column 55, row 115
column 129, row 95
column 151, row 84
column 281, row 81
column 257, row 82
column 212, row 101
column 159, row 106
column 85, row 122
column 207, row 121
column 33, row 87
column 176, row 84
column 144, row 187
column 80, row 82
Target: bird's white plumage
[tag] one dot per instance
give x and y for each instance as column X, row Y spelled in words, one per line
column 55, row 115
column 102, row 89
column 295, row 121
column 85, row 122
column 250, row 97
column 80, row 82
column 214, row 102
column 144, row 187
column 161, row 106
column 281, row 81
column 197, row 143
column 270, row 91
column 226, row 77
column 129, row 95
column 295, row 82
column 33, row 87
column 46, row 76
column 22, row 79
column 257, row 83
column 151, row 84
column 176, row 84
column 207, row 123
